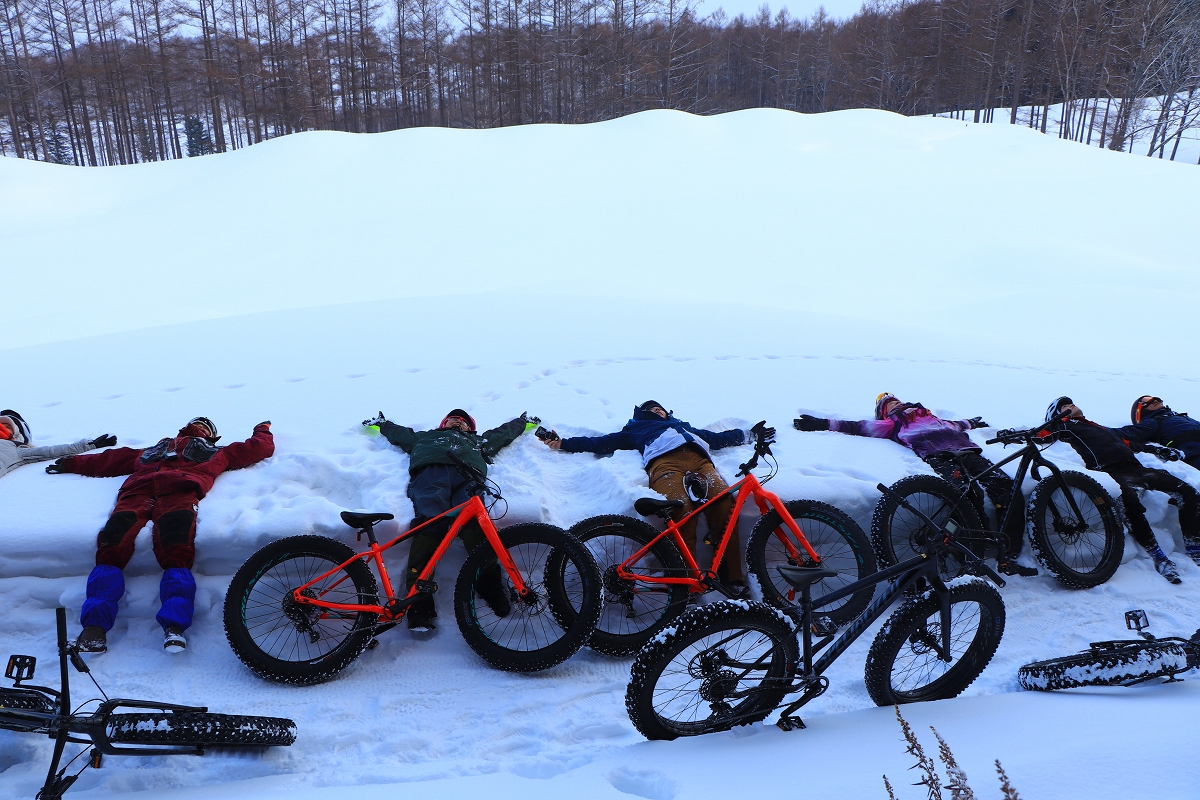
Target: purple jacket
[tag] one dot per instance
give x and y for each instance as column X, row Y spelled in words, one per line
column 916, row 428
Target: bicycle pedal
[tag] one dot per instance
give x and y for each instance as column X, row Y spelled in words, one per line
column 823, row 626
column 426, row 587
column 789, row 723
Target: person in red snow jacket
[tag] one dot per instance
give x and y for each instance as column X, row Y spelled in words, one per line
column 944, row 445
column 165, row 485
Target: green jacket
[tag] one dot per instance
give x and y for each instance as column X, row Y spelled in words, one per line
column 434, row 447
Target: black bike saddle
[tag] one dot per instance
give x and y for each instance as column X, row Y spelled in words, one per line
column 649, row 506
column 357, row 520
column 799, row 577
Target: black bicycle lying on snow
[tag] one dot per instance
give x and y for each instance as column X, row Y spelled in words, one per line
column 732, row 663
column 1073, row 524
column 156, row 729
column 1124, row 662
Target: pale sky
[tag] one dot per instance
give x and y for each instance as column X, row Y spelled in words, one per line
column 839, row 9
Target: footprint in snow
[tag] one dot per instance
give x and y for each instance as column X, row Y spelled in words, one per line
column 173, row 389
column 296, row 380
column 648, row 783
column 52, row 405
column 235, row 386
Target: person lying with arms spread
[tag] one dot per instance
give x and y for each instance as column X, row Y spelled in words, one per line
column 672, row 450
column 17, row 450
column 944, row 445
column 1153, row 422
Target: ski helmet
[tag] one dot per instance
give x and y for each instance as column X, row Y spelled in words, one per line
column 1135, row 413
column 205, row 424
column 463, row 415
column 881, row 401
column 1052, row 410
column 21, row 433
column 649, row 404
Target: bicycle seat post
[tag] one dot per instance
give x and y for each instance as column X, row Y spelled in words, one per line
column 369, row 530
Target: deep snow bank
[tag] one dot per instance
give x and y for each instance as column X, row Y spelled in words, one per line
column 738, row 268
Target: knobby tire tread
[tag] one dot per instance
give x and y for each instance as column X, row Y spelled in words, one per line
column 769, row 582
column 882, row 520
column 1133, row 662
column 197, row 728
column 1042, row 540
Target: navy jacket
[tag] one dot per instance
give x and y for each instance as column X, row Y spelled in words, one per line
column 653, row 436
column 1098, row 446
column 1165, row 427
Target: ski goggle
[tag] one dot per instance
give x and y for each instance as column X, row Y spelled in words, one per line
column 463, row 420
column 1141, row 406
column 206, row 425
column 6, row 431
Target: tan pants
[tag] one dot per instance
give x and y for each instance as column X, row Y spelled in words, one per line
column 666, row 477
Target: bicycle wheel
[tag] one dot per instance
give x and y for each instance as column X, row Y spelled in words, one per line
column 201, row 729
column 535, row 634
column 18, row 700
column 1079, row 552
column 631, row 611
column 898, row 534
column 1106, row 664
column 903, row 665
column 839, row 542
column 721, row 665
column 283, row 641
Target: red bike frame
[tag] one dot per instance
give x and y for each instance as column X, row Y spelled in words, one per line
column 700, row 581
column 395, row 608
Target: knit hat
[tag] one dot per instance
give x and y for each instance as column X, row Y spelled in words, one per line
column 458, row 412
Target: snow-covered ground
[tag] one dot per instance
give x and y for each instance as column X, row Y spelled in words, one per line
column 754, row 265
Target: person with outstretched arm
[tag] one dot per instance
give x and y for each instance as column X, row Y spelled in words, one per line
column 1153, row 422
column 1105, row 450
column 165, row 485
column 437, row 484
column 944, row 445
column 673, row 452
column 17, row 450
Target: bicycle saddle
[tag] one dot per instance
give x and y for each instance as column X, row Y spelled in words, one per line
column 357, row 520
column 649, row 506
column 800, row 577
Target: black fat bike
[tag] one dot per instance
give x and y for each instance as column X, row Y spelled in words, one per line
column 1073, row 525
column 1124, row 662
column 733, row 662
column 150, row 729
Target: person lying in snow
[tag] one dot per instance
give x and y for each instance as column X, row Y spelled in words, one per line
column 1104, row 450
column 436, row 485
column 944, row 445
column 17, row 450
column 1155, row 423
column 673, row 450
column 165, row 485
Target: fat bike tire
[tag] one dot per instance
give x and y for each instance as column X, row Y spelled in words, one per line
column 721, row 665
column 553, row 622
column 838, row 540
column 631, row 611
column 23, row 700
column 897, row 534
column 285, row 642
column 1106, row 664
column 201, row 729
column 1078, row 553
column 903, row 665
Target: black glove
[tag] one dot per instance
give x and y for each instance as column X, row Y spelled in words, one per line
column 58, row 467
column 377, row 420
column 761, row 434
column 266, row 422
column 810, row 423
column 977, row 422
column 105, row 440
column 1164, row 453
column 528, row 420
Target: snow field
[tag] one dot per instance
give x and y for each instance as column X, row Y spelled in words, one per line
column 817, row 262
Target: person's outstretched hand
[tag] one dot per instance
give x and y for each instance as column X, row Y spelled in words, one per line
column 374, row 421
column 58, row 467
column 104, row 440
column 977, row 422
column 807, row 422
column 762, row 434
column 266, row 422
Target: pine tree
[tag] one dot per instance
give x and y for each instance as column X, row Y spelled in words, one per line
column 198, row 141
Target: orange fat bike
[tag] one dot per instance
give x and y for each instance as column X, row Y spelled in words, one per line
column 648, row 574
column 301, row 609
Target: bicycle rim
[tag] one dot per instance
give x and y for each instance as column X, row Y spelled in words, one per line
column 1079, row 543
column 531, row 624
column 917, row 664
column 629, row 607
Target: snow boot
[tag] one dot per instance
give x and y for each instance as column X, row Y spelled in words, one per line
column 92, row 640
column 1165, row 566
column 174, row 641
column 1192, row 547
column 739, row 590
column 1013, row 568
column 490, row 586
column 421, row 614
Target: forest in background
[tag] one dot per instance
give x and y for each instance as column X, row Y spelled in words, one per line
column 98, row 82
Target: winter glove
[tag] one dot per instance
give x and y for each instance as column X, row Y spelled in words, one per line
column 810, row 423
column 977, row 422
column 106, row 440
column 1164, row 453
column 374, row 422
column 59, row 467
column 264, row 423
column 530, row 422
column 762, row 435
